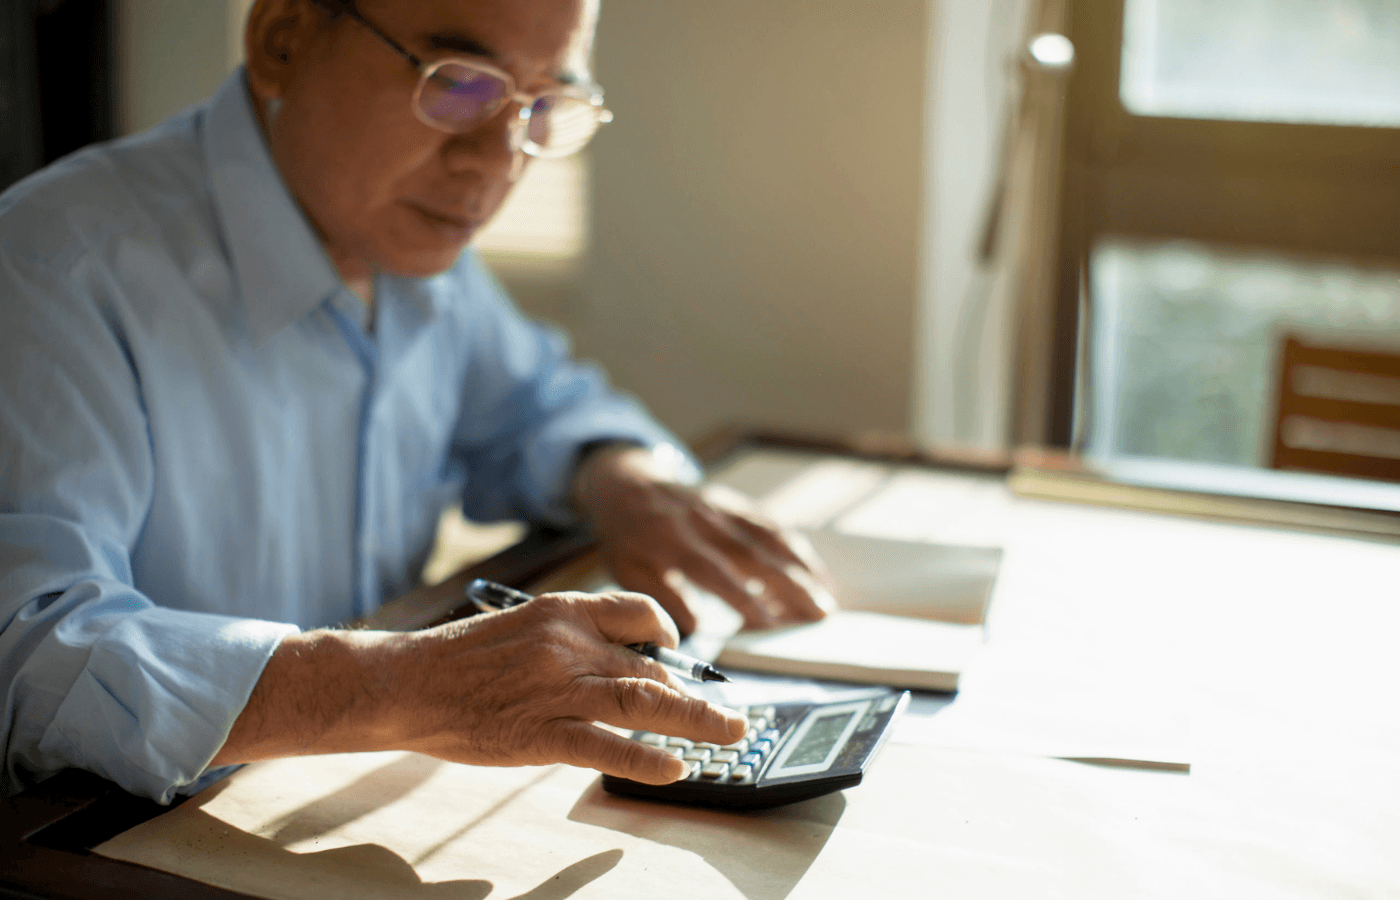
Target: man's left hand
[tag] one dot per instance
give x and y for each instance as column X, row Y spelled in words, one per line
column 656, row 533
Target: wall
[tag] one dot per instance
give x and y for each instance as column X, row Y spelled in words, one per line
column 172, row 54
column 755, row 211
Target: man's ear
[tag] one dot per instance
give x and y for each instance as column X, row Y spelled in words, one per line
column 277, row 36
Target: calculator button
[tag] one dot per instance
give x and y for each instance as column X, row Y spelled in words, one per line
column 750, row 759
column 718, row 771
column 707, row 746
column 677, row 752
column 751, row 735
column 680, row 742
column 740, row 772
column 758, row 723
column 768, row 712
column 725, row 756
column 697, row 755
column 771, row 736
column 655, row 740
column 761, row 747
column 740, row 746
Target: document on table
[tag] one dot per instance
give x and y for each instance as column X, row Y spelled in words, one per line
column 860, row 647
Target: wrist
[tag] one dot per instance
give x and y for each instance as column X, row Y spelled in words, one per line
column 321, row 692
column 375, row 663
column 607, row 468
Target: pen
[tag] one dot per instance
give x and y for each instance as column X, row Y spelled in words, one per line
column 488, row 596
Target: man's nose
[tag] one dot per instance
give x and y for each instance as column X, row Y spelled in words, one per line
column 490, row 147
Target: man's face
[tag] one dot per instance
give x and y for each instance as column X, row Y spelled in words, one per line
column 384, row 190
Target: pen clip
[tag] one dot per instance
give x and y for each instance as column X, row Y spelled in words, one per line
column 489, row 596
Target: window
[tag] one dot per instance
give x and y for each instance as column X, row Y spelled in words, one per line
column 1334, row 62
column 1231, row 174
column 1187, row 337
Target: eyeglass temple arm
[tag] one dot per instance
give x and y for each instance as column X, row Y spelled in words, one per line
column 348, row 8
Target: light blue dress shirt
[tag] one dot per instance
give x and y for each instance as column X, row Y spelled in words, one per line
column 202, row 447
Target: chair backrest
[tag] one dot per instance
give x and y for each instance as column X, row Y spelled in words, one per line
column 1338, row 411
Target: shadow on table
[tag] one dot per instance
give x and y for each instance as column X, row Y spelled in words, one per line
column 263, row 865
column 368, row 870
column 372, row 791
column 763, row 853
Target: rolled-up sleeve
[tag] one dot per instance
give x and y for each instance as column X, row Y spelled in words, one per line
column 101, row 679
column 528, row 406
column 95, row 675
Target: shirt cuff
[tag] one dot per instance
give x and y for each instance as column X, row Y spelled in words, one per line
column 158, row 696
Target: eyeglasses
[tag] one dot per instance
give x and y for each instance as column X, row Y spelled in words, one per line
column 458, row 95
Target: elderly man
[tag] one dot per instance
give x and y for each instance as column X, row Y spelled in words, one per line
column 246, row 362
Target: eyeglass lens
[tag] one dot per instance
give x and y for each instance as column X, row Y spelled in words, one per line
column 458, row 97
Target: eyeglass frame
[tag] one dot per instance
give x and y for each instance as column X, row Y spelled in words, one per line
column 591, row 93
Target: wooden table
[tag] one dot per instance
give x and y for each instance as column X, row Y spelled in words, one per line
column 1274, row 650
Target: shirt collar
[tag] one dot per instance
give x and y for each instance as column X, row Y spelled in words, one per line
column 280, row 267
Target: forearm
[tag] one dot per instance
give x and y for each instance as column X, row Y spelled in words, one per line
column 517, row 687
column 321, row 692
column 528, row 407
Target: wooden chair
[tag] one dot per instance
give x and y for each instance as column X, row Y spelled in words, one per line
column 1338, row 411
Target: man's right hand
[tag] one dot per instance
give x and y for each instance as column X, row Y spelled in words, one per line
column 523, row 686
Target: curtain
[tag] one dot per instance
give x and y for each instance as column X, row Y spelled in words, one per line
column 988, row 267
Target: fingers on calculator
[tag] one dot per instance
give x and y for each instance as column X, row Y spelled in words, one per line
column 735, row 762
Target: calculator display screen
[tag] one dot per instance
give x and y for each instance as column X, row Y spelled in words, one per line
column 819, row 740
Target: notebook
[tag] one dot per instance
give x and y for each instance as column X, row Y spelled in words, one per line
column 911, row 616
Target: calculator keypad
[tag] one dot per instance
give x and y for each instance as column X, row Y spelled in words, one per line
column 732, row 763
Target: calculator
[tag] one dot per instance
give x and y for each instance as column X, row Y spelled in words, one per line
column 792, row 751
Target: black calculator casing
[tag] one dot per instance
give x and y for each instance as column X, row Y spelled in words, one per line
column 771, row 784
